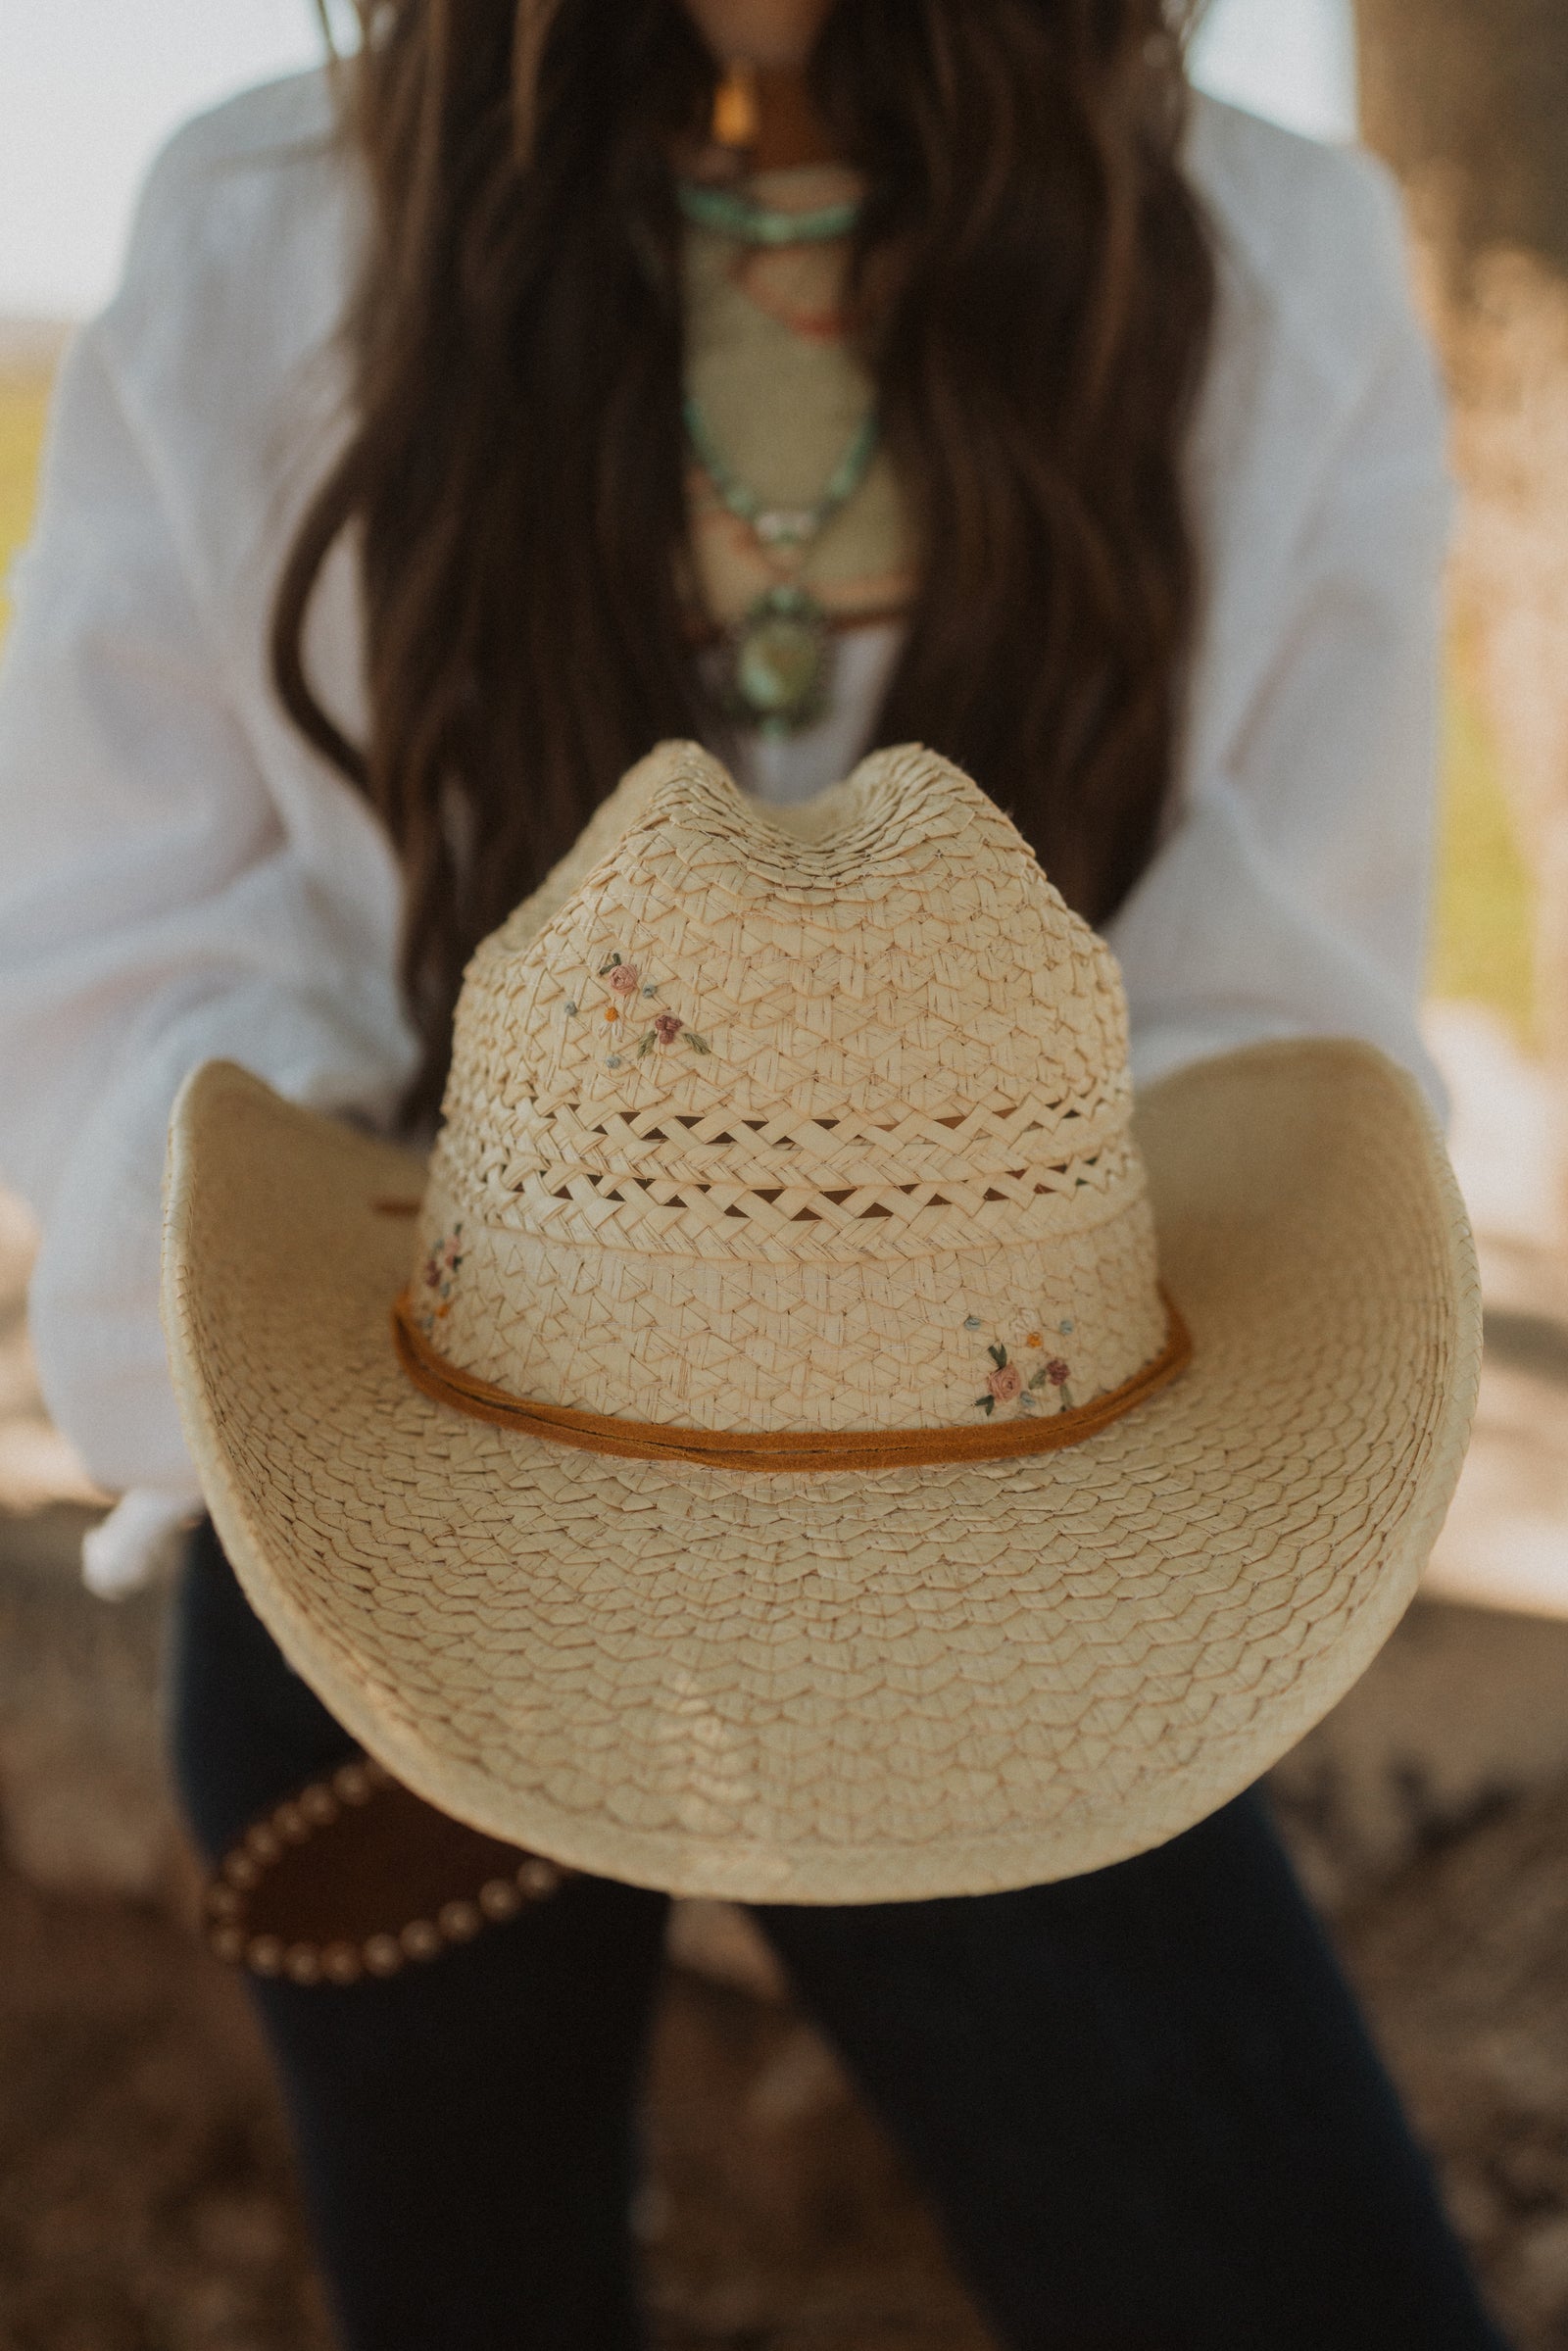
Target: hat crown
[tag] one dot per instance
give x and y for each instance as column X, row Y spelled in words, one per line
column 885, row 1019
column 817, row 1119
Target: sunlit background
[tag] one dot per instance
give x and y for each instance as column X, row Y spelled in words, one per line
column 88, row 89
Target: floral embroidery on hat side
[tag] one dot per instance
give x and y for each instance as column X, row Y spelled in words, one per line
column 627, row 990
column 438, row 1279
column 1007, row 1382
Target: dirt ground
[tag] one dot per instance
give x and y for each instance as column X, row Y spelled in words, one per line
column 146, row 2205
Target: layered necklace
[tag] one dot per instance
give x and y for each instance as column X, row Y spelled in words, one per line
column 779, row 651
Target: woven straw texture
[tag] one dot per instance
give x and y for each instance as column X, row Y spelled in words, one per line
column 884, row 1145
column 766, row 1133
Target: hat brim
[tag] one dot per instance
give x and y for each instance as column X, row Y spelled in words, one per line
column 866, row 1686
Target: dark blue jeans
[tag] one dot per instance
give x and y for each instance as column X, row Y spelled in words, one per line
column 1142, row 2100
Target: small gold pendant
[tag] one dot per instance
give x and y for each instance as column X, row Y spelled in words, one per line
column 737, row 117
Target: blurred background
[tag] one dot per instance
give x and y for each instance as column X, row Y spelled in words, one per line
column 144, row 2195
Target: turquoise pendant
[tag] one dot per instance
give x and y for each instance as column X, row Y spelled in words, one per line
column 781, row 652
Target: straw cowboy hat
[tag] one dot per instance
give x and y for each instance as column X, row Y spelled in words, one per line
column 759, row 1454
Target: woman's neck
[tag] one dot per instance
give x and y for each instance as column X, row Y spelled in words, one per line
column 769, row 33
column 785, row 129
column 789, row 128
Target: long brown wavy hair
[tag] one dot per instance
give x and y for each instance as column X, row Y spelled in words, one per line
column 1035, row 287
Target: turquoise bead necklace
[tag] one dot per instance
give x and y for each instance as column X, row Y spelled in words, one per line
column 729, row 213
column 779, row 653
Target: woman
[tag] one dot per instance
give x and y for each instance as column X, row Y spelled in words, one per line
column 800, row 377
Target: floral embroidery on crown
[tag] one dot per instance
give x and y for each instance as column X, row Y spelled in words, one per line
column 438, row 1278
column 1010, row 1383
column 627, row 992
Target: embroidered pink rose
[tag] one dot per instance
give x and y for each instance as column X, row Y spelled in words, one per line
column 667, row 1027
column 1058, row 1372
column 1005, row 1382
column 623, row 978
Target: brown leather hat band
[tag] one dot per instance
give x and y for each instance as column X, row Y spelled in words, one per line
column 782, row 1448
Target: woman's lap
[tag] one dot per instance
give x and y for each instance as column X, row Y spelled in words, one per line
column 1142, row 2100
column 1147, row 2105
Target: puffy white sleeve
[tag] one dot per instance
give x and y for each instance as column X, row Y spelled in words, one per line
column 1290, row 896
column 155, row 910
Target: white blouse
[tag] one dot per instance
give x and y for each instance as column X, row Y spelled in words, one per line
column 182, row 876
